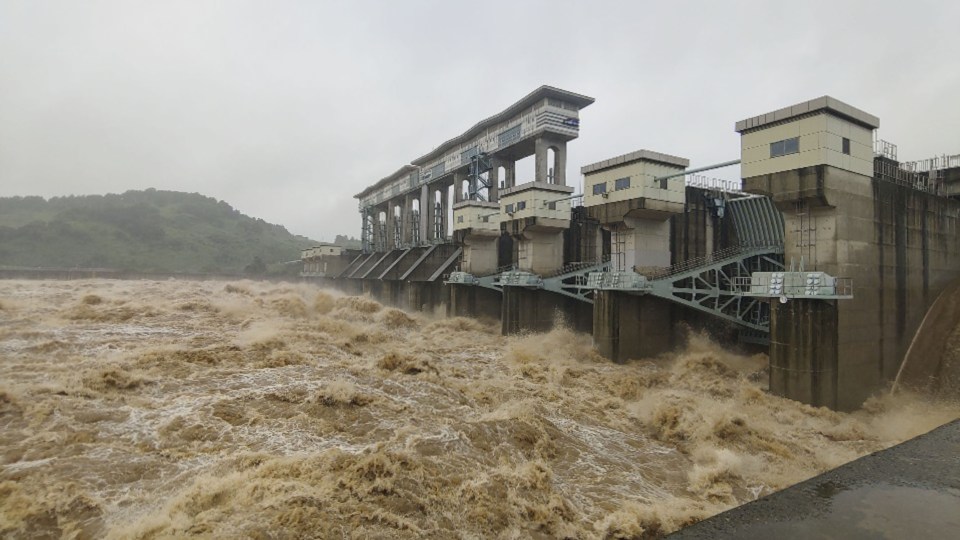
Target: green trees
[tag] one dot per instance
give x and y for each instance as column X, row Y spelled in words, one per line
column 149, row 231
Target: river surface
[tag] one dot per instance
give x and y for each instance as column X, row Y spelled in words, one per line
column 160, row 409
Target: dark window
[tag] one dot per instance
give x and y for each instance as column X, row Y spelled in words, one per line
column 622, row 183
column 509, row 208
column 785, row 147
column 521, row 205
column 552, row 205
column 459, row 219
column 508, row 136
column 846, row 146
column 599, row 188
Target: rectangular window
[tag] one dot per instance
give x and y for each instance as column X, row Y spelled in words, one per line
column 846, row 146
column 521, row 205
column 622, row 183
column 552, row 205
column 509, row 208
column 785, row 147
column 599, row 188
column 508, row 136
column 459, row 219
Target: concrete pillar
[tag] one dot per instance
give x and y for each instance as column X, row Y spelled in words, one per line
column 560, row 167
column 540, row 160
column 522, row 311
column 803, row 351
column 494, row 176
column 375, row 233
column 391, row 224
column 405, row 215
column 509, row 173
column 544, row 165
column 627, row 326
column 480, row 255
column 467, row 301
column 458, row 179
column 442, row 209
column 426, row 210
column 540, row 252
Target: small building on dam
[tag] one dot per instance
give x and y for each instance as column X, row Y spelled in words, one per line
column 827, row 254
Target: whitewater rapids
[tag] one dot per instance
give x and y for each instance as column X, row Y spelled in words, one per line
column 158, row 409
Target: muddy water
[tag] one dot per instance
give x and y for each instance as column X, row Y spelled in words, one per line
column 169, row 409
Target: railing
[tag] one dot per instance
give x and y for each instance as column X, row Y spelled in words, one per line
column 574, row 266
column 762, row 286
column 885, row 149
column 692, row 264
column 893, row 172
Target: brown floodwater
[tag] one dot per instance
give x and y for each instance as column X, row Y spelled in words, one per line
column 159, row 409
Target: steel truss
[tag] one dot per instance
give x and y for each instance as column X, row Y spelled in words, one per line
column 714, row 287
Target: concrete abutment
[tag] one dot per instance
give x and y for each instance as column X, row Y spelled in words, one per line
column 804, row 351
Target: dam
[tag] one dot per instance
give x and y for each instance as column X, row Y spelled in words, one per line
column 826, row 254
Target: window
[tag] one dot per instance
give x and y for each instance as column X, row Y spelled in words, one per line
column 552, row 205
column 509, row 208
column 785, row 147
column 521, row 205
column 599, row 188
column 846, row 146
column 622, row 183
column 459, row 219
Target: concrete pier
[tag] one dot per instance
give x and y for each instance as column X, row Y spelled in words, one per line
column 803, row 351
column 627, row 326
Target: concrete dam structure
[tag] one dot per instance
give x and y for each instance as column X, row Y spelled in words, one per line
column 828, row 254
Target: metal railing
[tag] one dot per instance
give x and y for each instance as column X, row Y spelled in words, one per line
column 761, row 286
column 575, row 266
column 692, row 264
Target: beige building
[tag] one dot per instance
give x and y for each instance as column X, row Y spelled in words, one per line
column 822, row 131
column 626, row 196
column 321, row 260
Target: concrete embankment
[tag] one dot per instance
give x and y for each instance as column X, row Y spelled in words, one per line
column 911, row 490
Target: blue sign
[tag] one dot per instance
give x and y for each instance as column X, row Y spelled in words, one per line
column 574, row 122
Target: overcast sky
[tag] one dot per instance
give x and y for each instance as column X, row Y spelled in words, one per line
column 287, row 109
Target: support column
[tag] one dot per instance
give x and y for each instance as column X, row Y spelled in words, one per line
column 804, row 351
column 509, row 173
column 405, row 214
column 560, row 169
column 391, row 225
column 627, row 326
column 429, row 212
column 375, row 233
column 543, row 164
column 539, row 251
column 494, row 177
column 426, row 213
column 540, row 160
column 458, row 179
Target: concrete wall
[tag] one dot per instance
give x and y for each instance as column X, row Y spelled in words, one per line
column 645, row 243
column 540, row 252
column 898, row 244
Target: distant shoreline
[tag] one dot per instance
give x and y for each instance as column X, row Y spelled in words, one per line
column 75, row 273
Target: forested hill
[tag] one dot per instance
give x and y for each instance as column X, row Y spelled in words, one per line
column 149, row 231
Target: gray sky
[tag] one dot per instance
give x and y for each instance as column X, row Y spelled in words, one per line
column 287, row 109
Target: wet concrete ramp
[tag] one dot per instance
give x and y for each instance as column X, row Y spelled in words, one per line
column 932, row 363
column 911, row 490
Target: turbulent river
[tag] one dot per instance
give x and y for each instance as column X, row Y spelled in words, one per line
column 158, row 409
